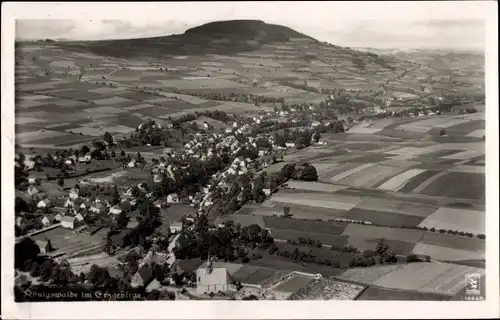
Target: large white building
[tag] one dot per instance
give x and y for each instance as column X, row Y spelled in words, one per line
column 210, row 279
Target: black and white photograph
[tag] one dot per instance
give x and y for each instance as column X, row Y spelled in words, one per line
column 263, row 151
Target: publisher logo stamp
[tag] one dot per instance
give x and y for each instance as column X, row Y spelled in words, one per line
column 473, row 286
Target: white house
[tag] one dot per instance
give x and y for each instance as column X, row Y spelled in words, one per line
column 68, row 203
column 98, row 207
column 19, row 221
column 176, row 227
column 157, row 178
column 131, row 164
column 68, row 222
column 115, row 210
column 45, row 203
column 290, row 145
column 74, row 193
column 79, row 217
column 85, row 159
column 58, row 217
column 173, row 198
column 267, row 192
column 45, row 221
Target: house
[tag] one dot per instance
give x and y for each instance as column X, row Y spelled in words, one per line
column 79, row 217
column 210, row 279
column 42, row 204
column 74, row 193
column 290, row 145
column 132, row 163
column 157, row 178
column 267, row 192
column 142, row 277
column 19, row 221
column 68, row 203
column 85, row 159
column 132, row 224
column 185, row 266
column 29, row 164
column 143, row 186
column 33, row 180
column 176, row 227
column 44, row 245
column 33, row 192
column 45, row 221
column 160, row 204
column 98, row 207
column 58, row 217
column 205, row 125
column 68, row 222
column 68, row 162
column 173, row 198
column 118, row 238
column 115, row 210
column 125, row 205
column 86, row 204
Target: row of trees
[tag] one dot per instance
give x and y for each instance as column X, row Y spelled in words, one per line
column 229, row 243
column 232, row 96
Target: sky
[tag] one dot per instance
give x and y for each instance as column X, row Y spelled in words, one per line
column 359, row 24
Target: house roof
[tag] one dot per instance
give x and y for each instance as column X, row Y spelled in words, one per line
column 216, row 276
column 145, row 272
column 116, row 272
column 99, row 206
column 132, row 224
column 125, row 205
column 188, row 265
column 117, row 239
column 176, row 224
column 67, row 219
column 41, row 243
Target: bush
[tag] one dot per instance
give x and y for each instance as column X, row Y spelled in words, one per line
column 442, row 132
column 442, row 231
column 368, row 253
column 412, row 258
column 481, row 236
column 433, row 229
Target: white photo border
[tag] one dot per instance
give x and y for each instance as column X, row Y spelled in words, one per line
column 486, row 10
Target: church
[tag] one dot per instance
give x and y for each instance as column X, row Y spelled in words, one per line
column 210, row 279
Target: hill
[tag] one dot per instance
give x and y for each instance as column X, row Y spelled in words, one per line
column 249, row 29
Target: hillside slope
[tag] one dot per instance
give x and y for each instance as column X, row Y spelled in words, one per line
column 266, row 59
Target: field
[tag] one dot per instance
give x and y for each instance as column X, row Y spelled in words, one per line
column 425, row 278
column 69, row 243
column 376, row 293
column 456, row 219
column 293, row 284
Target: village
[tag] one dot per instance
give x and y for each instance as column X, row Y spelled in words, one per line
column 235, row 156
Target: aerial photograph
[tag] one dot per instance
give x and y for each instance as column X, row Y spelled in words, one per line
column 249, row 159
